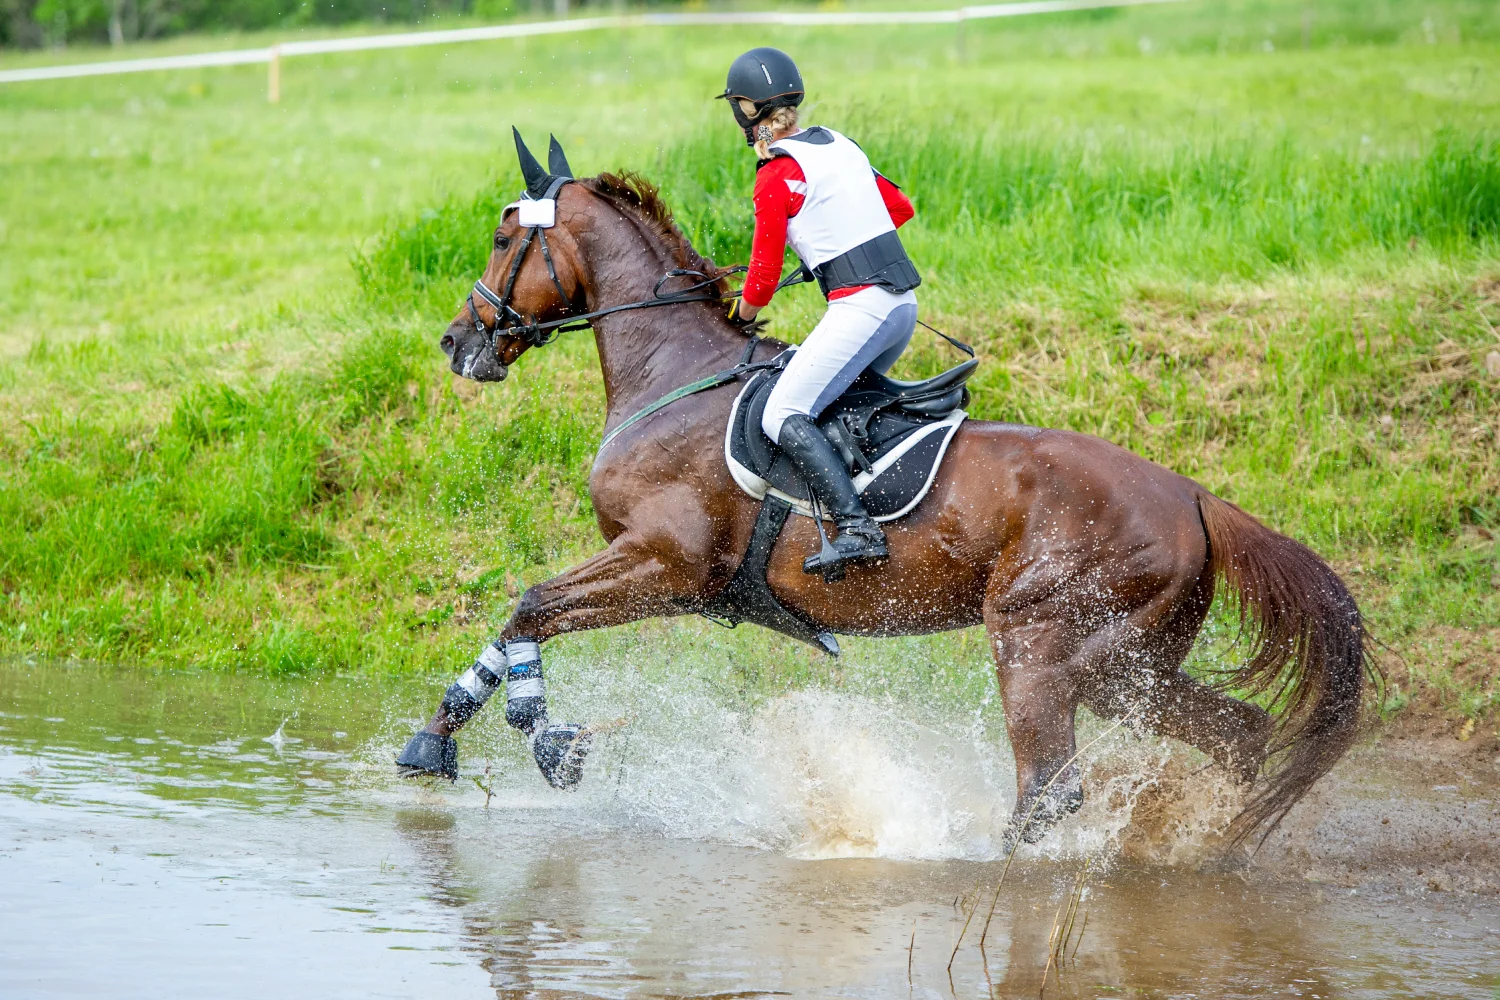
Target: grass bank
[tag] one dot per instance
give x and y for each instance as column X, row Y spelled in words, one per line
column 228, row 438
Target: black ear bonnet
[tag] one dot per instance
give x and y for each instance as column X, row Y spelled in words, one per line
column 542, row 183
column 557, row 163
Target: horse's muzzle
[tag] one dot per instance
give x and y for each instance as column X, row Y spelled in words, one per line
column 481, row 366
column 477, row 362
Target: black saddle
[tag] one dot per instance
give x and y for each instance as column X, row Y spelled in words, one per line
column 870, row 422
column 892, row 434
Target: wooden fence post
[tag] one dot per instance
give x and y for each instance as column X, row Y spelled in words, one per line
column 273, row 76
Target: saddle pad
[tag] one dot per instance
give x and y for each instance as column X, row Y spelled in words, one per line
column 901, row 474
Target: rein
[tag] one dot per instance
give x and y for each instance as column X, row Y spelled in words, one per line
column 541, row 334
column 533, row 334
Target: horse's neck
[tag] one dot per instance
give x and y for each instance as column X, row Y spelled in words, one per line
column 646, row 353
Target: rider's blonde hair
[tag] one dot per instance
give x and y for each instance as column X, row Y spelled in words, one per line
column 780, row 120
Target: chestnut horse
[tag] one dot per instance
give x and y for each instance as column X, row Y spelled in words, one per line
column 1091, row 568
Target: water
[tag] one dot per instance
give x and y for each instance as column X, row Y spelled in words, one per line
column 190, row 835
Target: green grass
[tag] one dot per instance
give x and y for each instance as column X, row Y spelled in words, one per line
column 227, row 436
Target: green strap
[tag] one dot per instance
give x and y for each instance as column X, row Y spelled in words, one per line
column 711, row 382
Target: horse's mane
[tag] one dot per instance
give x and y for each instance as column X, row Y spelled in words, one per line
column 632, row 191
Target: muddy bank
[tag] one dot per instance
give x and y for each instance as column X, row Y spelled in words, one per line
column 1418, row 814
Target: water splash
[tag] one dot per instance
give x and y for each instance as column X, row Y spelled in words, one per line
column 818, row 774
column 277, row 739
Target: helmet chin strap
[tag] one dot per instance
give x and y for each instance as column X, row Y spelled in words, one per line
column 744, row 121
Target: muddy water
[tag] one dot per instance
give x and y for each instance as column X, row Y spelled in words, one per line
column 169, row 835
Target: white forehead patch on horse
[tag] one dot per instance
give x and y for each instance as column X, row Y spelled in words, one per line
column 540, row 212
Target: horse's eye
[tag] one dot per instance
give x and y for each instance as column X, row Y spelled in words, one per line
column 501, row 242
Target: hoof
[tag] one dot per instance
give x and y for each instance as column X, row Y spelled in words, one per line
column 1059, row 803
column 559, row 750
column 429, row 753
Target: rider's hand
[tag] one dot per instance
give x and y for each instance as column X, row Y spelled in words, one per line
column 743, row 316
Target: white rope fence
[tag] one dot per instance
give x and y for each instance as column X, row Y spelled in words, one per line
column 273, row 54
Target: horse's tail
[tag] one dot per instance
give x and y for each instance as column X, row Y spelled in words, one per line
column 1307, row 645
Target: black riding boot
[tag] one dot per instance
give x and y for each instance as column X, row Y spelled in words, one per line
column 860, row 538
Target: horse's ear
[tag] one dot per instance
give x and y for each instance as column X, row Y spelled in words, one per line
column 557, row 163
column 531, row 171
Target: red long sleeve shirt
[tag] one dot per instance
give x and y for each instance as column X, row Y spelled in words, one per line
column 778, row 186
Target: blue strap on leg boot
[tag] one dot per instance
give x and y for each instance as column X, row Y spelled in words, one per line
column 559, row 748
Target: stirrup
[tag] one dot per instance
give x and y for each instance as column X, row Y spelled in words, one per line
column 862, row 546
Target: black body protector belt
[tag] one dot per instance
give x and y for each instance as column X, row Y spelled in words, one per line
column 881, row 261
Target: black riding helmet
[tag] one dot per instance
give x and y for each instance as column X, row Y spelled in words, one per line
column 768, row 79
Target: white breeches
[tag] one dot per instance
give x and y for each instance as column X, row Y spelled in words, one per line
column 868, row 329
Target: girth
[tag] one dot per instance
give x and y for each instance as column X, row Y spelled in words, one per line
column 748, row 598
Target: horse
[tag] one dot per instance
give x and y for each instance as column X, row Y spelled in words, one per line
column 1091, row 568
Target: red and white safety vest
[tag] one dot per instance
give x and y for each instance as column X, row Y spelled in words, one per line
column 842, row 207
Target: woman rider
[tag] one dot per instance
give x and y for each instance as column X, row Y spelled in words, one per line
column 816, row 189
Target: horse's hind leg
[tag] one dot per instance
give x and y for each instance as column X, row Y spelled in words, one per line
column 1234, row 733
column 1068, row 648
column 1035, row 664
column 1046, row 669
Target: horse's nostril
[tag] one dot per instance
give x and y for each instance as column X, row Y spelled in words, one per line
column 447, row 343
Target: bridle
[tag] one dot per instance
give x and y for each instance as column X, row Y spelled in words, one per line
column 510, row 322
column 507, row 319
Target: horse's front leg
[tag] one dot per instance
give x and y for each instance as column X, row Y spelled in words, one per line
column 624, row 583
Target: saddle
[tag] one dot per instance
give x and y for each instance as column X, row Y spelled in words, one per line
column 891, row 435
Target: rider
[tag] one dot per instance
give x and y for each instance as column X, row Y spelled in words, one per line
column 816, row 189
